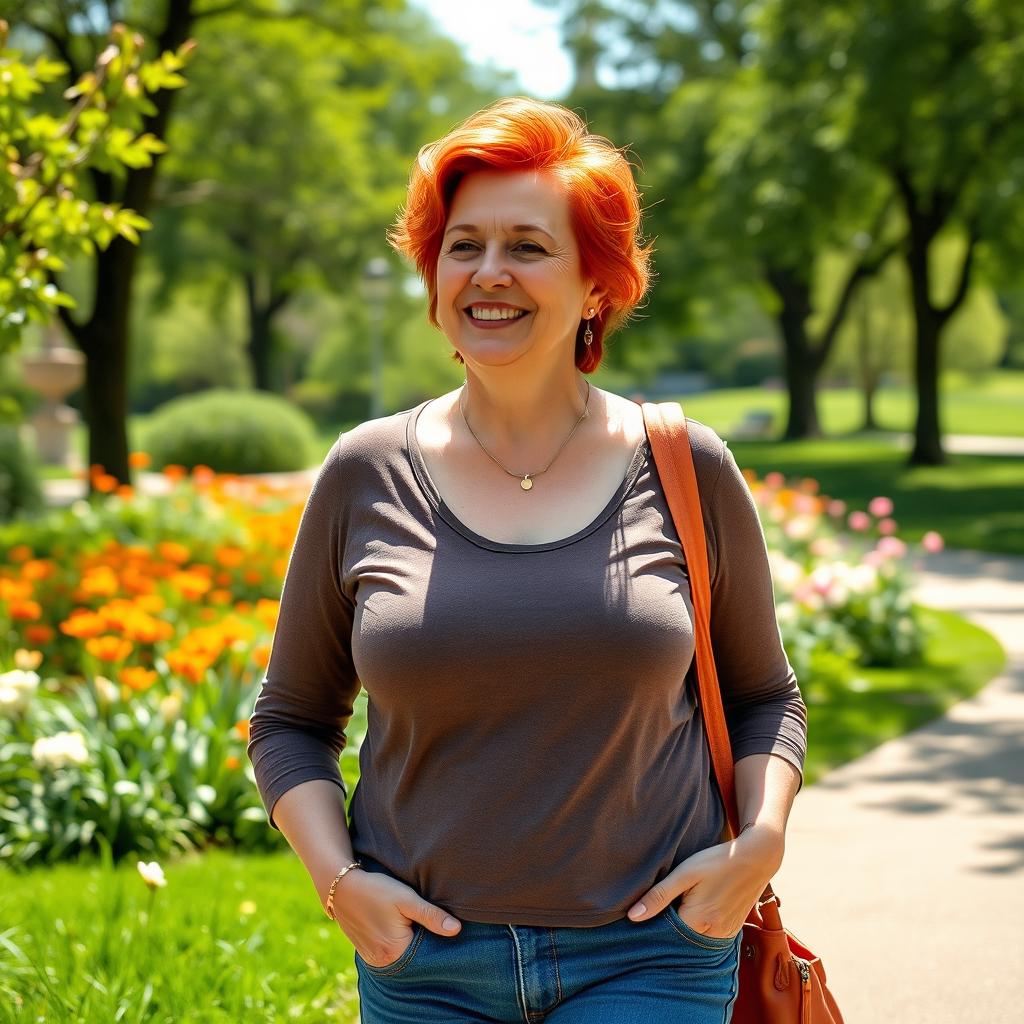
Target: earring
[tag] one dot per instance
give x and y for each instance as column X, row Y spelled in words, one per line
column 588, row 334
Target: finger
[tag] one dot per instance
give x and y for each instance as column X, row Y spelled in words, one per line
column 433, row 918
column 658, row 897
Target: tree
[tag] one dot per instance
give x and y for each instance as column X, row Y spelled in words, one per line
column 935, row 104
column 45, row 219
column 75, row 30
column 750, row 181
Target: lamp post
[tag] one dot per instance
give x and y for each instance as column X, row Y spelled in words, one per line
column 376, row 288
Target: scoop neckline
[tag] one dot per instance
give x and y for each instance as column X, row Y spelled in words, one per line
column 433, row 496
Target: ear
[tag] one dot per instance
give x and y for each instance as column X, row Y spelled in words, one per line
column 595, row 301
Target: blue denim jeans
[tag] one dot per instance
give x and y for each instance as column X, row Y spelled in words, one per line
column 654, row 972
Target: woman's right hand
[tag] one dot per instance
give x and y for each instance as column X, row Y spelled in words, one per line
column 377, row 913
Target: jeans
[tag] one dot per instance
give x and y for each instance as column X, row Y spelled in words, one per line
column 653, row 972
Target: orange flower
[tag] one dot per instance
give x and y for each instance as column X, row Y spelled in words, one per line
column 15, row 590
column 174, row 472
column 83, row 623
column 229, row 556
column 108, row 648
column 25, row 611
column 252, row 576
column 39, row 634
column 125, row 491
column 189, row 666
column 242, row 728
column 38, row 569
column 139, row 460
column 151, row 603
column 266, row 612
column 261, row 655
column 231, row 762
column 203, row 475
column 138, row 678
column 19, row 553
column 172, row 551
column 100, row 581
column 191, row 585
column 105, row 483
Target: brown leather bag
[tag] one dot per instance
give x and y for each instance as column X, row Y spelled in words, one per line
column 781, row 980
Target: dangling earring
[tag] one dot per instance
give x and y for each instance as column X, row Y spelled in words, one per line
column 588, row 334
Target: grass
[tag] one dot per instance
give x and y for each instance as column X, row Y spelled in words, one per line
column 83, row 943
column 847, row 718
column 976, row 501
column 993, row 404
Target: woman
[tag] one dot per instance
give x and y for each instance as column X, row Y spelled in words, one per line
column 535, row 833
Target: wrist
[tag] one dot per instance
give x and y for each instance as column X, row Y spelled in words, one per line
column 764, row 841
column 329, row 898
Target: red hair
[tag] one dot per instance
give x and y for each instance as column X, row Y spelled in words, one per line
column 519, row 134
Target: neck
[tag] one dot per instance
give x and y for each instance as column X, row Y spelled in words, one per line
column 527, row 416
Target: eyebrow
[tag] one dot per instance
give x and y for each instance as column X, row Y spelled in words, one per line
column 471, row 228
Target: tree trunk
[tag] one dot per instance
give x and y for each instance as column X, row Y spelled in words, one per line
column 801, row 362
column 928, row 322
column 927, row 449
column 262, row 305
column 867, row 372
column 105, row 342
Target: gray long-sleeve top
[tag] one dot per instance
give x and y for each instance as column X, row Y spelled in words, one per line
column 532, row 754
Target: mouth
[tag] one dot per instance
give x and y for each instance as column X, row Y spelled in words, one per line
column 491, row 317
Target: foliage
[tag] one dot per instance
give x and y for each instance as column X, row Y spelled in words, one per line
column 47, row 217
column 231, row 432
column 149, row 621
column 19, row 480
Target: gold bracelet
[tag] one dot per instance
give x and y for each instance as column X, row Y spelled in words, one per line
column 329, row 909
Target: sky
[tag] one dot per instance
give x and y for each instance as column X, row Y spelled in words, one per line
column 515, row 35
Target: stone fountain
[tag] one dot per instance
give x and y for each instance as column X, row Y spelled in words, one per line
column 54, row 372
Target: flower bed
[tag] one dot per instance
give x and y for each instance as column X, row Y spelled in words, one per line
column 134, row 632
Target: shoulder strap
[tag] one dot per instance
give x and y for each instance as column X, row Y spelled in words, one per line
column 670, row 446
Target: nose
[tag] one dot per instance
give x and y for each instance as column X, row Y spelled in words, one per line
column 492, row 270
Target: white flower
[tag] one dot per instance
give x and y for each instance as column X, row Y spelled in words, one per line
column 17, row 688
column 170, row 707
column 60, row 750
column 107, row 692
column 152, row 874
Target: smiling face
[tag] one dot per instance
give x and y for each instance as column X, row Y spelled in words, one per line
column 508, row 274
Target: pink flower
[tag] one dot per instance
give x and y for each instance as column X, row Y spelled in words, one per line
column 774, row 480
column 932, row 542
column 837, row 508
column 891, row 547
column 859, row 521
column 880, row 507
column 873, row 558
column 887, row 526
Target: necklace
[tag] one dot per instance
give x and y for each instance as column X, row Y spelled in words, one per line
column 527, row 479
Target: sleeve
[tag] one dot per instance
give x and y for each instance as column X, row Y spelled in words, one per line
column 297, row 728
column 764, row 711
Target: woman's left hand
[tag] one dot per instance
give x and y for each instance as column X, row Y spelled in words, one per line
column 719, row 885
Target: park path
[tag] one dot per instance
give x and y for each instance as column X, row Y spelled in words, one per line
column 905, row 868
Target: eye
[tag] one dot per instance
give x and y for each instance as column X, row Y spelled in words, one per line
column 463, row 246
column 530, row 247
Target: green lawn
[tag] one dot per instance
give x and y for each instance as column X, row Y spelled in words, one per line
column 81, row 943
column 993, row 404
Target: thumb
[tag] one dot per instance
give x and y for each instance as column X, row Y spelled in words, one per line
column 434, row 919
column 658, row 897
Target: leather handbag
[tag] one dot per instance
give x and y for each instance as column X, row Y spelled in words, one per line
column 780, row 980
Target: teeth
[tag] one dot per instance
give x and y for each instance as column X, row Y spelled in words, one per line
column 496, row 314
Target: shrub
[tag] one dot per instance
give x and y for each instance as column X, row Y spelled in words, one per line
column 19, row 480
column 231, row 432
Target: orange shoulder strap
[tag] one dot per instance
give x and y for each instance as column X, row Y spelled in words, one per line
column 670, row 446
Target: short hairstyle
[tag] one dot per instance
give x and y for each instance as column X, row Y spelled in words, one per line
column 517, row 134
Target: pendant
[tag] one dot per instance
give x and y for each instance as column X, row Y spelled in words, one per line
column 526, row 483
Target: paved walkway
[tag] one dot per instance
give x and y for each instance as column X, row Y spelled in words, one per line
column 971, row 444
column 905, row 868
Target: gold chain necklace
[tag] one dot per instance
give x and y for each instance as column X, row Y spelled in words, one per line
column 527, row 479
